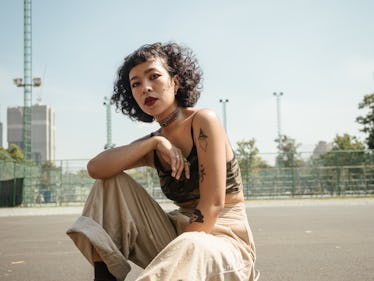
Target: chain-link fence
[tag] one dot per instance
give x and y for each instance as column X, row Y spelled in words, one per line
column 66, row 182
column 334, row 173
column 58, row 183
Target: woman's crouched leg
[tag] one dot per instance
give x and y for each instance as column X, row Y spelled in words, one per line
column 121, row 222
column 199, row 256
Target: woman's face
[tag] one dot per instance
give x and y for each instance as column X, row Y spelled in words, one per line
column 153, row 88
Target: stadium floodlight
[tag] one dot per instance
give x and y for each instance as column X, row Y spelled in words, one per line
column 37, row 82
column 18, row 82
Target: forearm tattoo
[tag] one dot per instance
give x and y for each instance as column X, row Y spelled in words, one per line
column 203, row 140
column 197, row 216
column 202, row 173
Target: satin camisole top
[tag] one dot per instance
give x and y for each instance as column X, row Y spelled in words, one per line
column 184, row 189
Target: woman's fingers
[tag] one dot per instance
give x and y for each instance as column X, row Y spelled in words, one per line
column 180, row 164
column 175, row 162
column 175, row 158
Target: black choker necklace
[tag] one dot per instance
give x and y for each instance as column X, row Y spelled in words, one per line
column 166, row 122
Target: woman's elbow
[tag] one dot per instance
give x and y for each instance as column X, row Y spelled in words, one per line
column 92, row 170
column 219, row 205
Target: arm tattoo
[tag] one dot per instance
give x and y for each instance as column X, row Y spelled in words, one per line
column 197, row 216
column 202, row 173
column 203, row 140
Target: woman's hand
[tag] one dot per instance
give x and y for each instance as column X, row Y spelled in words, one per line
column 174, row 157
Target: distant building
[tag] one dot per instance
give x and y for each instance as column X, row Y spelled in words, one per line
column 321, row 148
column 43, row 129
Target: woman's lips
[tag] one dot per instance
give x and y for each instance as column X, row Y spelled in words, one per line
column 149, row 101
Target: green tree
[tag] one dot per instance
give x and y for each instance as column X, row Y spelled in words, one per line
column 249, row 163
column 347, row 142
column 48, row 165
column 346, row 150
column 247, row 155
column 4, row 154
column 14, row 152
column 288, row 155
column 367, row 121
column 345, row 160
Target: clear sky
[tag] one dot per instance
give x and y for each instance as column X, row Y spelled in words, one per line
column 319, row 53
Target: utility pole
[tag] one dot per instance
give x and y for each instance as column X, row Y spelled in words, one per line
column 278, row 96
column 27, row 83
column 224, row 101
column 108, row 103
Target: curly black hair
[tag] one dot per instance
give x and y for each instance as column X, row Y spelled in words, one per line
column 178, row 60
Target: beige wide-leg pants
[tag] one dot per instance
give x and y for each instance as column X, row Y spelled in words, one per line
column 122, row 222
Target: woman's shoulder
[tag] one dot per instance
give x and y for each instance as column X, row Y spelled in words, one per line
column 204, row 116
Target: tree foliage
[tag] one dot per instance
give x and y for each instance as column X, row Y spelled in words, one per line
column 48, row 165
column 288, row 155
column 346, row 150
column 347, row 142
column 14, row 152
column 247, row 155
column 367, row 121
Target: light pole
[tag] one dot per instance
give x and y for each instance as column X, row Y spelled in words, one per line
column 27, row 114
column 278, row 96
column 224, row 101
column 28, row 81
column 108, row 103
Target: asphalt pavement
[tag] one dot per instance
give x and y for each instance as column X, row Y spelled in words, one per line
column 296, row 240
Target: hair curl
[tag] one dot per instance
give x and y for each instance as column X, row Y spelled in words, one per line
column 178, row 60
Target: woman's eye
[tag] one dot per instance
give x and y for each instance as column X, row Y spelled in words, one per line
column 134, row 85
column 155, row 75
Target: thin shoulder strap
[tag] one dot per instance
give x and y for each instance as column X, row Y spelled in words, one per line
column 193, row 118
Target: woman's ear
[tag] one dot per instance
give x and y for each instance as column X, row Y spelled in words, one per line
column 175, row 83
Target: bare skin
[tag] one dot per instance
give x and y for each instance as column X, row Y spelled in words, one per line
column 154, row 91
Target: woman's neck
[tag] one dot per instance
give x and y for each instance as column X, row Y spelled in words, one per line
column 165, row 122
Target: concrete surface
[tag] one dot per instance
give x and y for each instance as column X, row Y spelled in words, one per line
column 325, row 240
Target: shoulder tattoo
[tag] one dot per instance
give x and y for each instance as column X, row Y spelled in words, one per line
column 197, row 216
column 203, row 140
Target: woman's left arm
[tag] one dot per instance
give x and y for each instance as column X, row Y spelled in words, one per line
column 210, row 140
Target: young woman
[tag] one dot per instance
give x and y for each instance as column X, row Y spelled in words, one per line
column 208, row 236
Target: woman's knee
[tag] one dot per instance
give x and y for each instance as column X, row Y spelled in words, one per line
column 195, row 241
column 120, row 180
column 119, row 177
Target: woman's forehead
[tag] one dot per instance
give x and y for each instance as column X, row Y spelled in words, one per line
column 143, row 67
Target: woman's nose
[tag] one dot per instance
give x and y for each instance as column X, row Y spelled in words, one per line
column 147, row 88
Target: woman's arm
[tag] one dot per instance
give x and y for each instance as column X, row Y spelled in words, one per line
column 115, row 160
column 210, row 139
column 139, row 153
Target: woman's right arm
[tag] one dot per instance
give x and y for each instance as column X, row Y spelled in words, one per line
column 115, row 160
column 136, row 154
